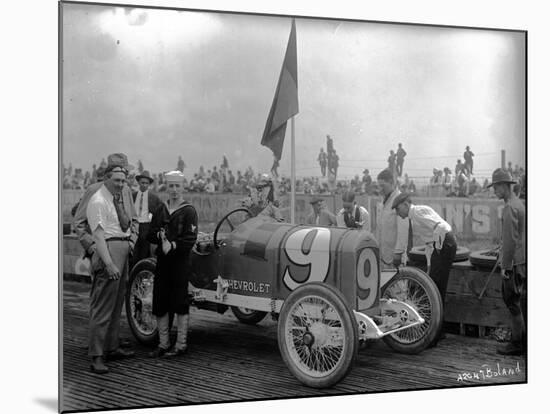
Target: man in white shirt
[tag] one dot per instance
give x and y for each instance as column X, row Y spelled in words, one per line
column 392, row 230
column 111, row 227
column 437, row 235
column 352, row 215
column 146, row 204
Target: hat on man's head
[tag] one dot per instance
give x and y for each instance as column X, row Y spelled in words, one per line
column 145, row 174
column 501, row 176
column 118, row 161
column 315, row 200
column 175, row 176
column 348, row 197
column 401, row 198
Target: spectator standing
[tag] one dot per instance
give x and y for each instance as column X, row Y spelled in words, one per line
column 469, row 161
column 367, row 181
column 437, row 235
column 320, row 215
column 512, row 260
column 323, row 159
column 460, row 167
column 352, row 215
column 146, row 204
column 335, row 163
column 209, row 187
column 391, row 230
column 392, row 163
column 181, row 165
column 111, row 219
column 174, row 230
column 447, row 180
column 400, row 159
column 330, row 145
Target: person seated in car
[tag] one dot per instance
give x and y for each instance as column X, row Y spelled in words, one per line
column 262, row 201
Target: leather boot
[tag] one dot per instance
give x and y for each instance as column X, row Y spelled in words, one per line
column 181, row 342
column 97, row 366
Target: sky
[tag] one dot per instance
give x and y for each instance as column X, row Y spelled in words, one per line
column 156, row 84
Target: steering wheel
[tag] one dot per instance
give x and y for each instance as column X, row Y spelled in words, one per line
column 231, row 225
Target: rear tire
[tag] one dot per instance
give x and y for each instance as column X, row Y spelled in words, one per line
column 248, row 316
column 416, row 288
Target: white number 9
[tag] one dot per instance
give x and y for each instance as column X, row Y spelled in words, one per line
column 308, row 247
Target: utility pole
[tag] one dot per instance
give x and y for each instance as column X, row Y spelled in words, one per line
column 503, row 159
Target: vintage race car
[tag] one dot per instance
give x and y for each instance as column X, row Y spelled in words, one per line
column 324, row 285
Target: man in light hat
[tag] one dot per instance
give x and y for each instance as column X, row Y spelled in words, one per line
column 146, row 203
column 111, row 220
column 174, row 230
column 392, row 230
column 80, row 222
column 352, row 215
column 512, row 260
column 320, row 215
column 437, row 235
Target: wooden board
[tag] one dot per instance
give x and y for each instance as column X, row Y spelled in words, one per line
column 229, row 361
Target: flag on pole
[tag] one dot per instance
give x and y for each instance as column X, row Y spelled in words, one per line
column 285, row 102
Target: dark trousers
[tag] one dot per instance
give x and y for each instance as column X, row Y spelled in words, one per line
column 142, row 249
column 399, row 167
column 106, row 300
column 441, row 263
column 514, row 294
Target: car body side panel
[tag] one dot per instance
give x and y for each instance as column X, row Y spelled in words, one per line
column 270, row 259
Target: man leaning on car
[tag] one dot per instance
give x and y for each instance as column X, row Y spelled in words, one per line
column 111, row 219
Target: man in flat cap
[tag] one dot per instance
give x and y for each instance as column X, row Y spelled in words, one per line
column 437, row 235
column 512, row 260
column 352, row 215
column 320, row 215
column 111, row 220
column 108, row 231
column 146, row 203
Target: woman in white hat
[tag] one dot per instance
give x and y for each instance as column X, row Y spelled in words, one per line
column 174, row 230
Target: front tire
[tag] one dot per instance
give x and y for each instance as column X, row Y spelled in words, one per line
column 416, row 288
column 317, row 335
column 139, row 302
column 248, row 316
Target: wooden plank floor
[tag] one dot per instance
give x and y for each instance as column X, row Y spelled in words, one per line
column 229, row 361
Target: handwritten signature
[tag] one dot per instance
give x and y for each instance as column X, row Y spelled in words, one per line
column 487, row 372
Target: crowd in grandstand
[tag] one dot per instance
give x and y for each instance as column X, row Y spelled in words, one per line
column 221, row 179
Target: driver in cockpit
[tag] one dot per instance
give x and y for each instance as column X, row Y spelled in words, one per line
column 261, row 200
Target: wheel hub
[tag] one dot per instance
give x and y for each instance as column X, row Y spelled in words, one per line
column 308, row 339
column 319, row 334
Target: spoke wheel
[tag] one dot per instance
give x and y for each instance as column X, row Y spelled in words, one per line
column 317, row 335
column 139, row 302
column 417, row 289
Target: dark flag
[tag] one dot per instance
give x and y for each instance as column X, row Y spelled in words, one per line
column 285, row 102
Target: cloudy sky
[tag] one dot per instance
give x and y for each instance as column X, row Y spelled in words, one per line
column 156, row 84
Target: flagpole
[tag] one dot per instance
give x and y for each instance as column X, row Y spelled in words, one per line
column 292, row 175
